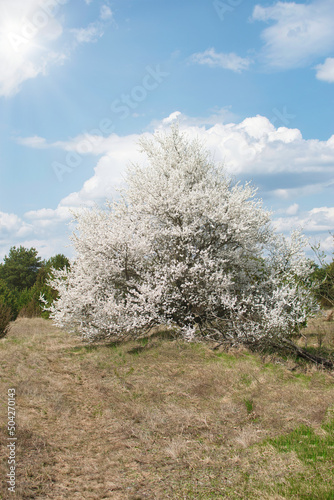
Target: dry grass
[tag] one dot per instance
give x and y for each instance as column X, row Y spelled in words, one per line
column 320, row 331
column 157, row 420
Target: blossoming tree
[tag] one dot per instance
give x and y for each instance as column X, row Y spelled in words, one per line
column 187, row 248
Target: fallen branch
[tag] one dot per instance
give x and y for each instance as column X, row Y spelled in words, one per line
column 288, row 345
column 319, row 360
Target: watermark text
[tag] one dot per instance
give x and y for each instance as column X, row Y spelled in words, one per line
column 11, row 440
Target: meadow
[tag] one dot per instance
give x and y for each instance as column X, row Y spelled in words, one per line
column 159, row 418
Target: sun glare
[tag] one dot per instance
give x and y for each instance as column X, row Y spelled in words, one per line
column 22, row 43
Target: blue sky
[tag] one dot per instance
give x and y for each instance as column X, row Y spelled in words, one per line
column 82, row 80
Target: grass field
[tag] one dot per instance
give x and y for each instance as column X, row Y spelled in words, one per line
column 161, row 419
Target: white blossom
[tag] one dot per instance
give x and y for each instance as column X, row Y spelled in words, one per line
column 184, row 247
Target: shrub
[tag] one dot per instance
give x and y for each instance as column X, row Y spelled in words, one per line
column 184, row 247
column 9, row 298
column 29, row 300
column 323, row 278
column 5, row 318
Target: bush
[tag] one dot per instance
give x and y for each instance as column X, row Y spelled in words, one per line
column 5, row 318
column 31, row 309
column 184, row 247
column 9, row 298
column 323, row 278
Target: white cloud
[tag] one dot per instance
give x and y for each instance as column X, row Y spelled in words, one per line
column 33, row 142
column 47, row 216
column 92, row 33
column 229, row 61
column 9, row 222
column 299, row 32
column 13, row 230
column 325, row 71
column 290, row 169
column 43, row 229
column 109, row 171
column 292, row 209
column 105, row 13
column 316, row 220
column 253, row 146
column 172, row 117
column 82, row 144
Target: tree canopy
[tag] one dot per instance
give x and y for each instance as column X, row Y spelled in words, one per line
column 184, row 246
column 58, row 261
column 19, row 269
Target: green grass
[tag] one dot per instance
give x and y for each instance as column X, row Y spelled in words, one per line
column 315, row 450
column 249, row 405
column 309, row 446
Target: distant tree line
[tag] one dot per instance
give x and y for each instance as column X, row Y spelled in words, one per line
column 23, row 278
